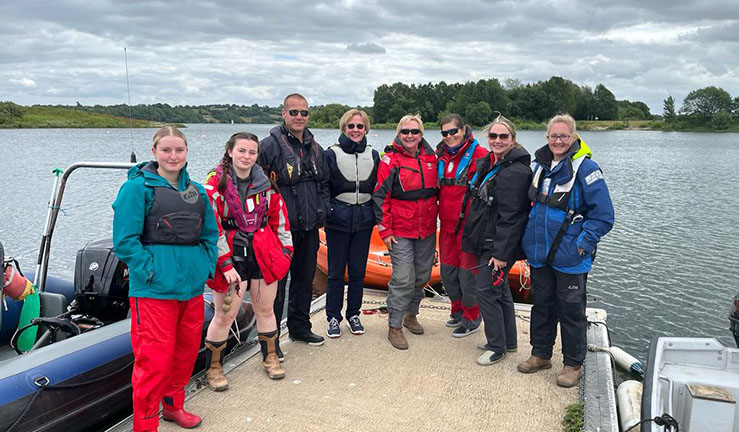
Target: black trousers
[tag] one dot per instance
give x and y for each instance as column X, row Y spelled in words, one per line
column 346, row 249
column 302, row 270
column 496, row 308
column 558, row 298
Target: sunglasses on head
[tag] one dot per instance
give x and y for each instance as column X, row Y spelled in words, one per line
column 503, row 136
column 294, row 112
column 452, row 131
column 410, row 131
column 359, row 126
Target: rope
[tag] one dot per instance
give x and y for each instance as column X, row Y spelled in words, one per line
column 665, row 420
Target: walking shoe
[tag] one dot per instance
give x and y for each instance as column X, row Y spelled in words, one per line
column 569, row 377
column 534, row 364
column 310, row 338
column 483, row 345
column 490, row 357
column 183, row 418
column 463, row 331
column 411, row 323
column 397, row 338
column 334, row 329
column 355, row 326
column 453, row 323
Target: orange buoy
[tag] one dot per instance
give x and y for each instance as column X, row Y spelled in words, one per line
column 15, row 285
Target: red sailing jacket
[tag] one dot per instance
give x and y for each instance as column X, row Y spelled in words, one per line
column 451, row 189
column 405, row 195
column 268, row 240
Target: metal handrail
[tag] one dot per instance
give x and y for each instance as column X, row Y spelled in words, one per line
column 55, row 202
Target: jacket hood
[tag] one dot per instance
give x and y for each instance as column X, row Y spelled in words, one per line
column 259, row 181
column 280, row 130
column 516, row 154
column 577, row 150
column 350, row 146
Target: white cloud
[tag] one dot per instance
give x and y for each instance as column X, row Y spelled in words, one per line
column 23, row 82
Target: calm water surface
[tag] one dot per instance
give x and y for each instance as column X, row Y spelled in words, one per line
column 668, row 267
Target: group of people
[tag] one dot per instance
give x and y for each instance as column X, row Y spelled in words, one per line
column 257, row 217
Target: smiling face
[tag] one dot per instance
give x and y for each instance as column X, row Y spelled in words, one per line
column 559, row 138
column 410, row 139
column 352, row 128
column 295, row 113
column 244, row 156
column 452, row 139
column 170, row 152
column 500, row 139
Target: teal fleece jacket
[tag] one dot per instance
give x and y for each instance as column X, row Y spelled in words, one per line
column 161, row 271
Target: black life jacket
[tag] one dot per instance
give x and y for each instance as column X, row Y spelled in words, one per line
column 174, row 217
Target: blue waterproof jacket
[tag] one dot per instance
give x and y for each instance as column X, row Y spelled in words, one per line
column 589, row 198
column 161, row 271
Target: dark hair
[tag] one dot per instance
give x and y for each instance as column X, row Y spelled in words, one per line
column 226, row 160
column 456, row 118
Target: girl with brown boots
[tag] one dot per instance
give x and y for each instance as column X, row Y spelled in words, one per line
column 254, row 248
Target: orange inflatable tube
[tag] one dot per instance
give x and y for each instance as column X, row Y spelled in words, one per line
column 379, row 267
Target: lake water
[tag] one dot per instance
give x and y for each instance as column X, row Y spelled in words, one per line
column 667, row 268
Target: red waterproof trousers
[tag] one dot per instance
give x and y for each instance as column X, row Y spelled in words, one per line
column 165, row 335
column 458, row 279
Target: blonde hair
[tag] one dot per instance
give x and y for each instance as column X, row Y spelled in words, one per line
column 351, row 113
column 407, row 118
column 168, row 131
column 566, row 119
column 505, row 122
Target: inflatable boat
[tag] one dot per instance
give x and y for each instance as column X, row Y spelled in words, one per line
column 379, row 267
column 65, row 349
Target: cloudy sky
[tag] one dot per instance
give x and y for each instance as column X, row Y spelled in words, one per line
column 245, row 52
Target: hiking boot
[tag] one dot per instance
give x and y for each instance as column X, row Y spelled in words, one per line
column 534, row 364
column 490, row 357
column 411, row 323
column 483, row 345
column 453, row 322
column 310, row 338
column 269, row 359
column 355, row 326
column 463, row 331
column 569, row 377
column 397, row 338
column 183, row 418
column 334, row 329
column 214, row 362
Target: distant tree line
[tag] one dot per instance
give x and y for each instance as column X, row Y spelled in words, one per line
column 706, row 108
column 190, row 113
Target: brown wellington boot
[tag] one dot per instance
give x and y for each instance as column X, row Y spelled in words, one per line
column 214, row 362
column 534, row 364
column 569, row 377
column 397, row 338
column 411, row 323
column 269, row 358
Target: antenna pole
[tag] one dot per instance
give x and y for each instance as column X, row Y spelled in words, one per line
column 130, row 117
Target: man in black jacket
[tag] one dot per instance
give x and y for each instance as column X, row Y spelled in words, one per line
column 295, row 161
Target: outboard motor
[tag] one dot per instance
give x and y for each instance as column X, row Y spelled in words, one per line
column 101, row 282
column 734, row 318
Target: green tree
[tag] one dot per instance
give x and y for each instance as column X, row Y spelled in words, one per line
column 668, row 109
column 328, row 115
column 605, row 107
column 10, row 113
column 721, row 120
column 706, row 102
column 478, row 114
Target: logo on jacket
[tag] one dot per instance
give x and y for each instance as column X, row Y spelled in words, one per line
column 289, row 170
column 428, row 165
column 593, row 177
column 190, row 195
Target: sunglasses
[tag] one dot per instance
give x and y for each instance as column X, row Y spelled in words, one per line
column 410, row 131
column 503, row 136
column 452, row 131
column 359, row 126
column 295, row 112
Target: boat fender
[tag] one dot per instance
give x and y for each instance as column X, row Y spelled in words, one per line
column 628, row 396
column 15, row 285
column 627, row 362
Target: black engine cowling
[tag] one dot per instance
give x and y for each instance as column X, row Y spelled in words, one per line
column 101, row 282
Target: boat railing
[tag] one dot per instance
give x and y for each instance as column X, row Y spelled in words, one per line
column 57, row 193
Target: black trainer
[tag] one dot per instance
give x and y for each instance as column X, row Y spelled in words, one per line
column 310, row 338
column 452, row 322
column 334, row 329
column 463, row 331
column 490, row 357
column 355, row 326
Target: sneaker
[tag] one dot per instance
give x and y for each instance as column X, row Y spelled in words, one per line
column 334, row 329
column 490, row 357
column 483, row 345
column 463, row 331
column 310, row 338
column 453, row 323
column 355, row 326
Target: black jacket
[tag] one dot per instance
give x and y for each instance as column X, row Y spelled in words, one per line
column 499, row 209
column 345, row 217
column 300, row 171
